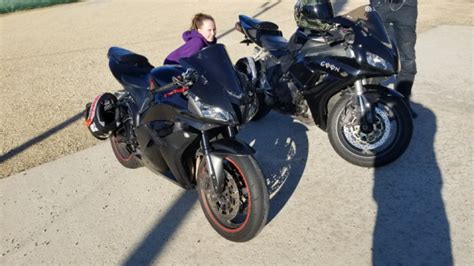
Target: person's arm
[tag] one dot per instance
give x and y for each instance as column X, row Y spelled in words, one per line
column 191, row 47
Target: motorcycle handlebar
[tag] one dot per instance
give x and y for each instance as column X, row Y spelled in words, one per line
column 165, row 87
column 186, row 79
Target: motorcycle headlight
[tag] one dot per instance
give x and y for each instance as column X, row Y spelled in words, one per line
column 378, row 62
column 212, row 112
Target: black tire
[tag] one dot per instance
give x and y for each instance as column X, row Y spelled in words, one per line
column 243, row 67
column 123, row 155
column 388, row 141
column 244, row 178
column 263, row 108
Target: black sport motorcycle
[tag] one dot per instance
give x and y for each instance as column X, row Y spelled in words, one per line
column 334, row 75
column 180, row 121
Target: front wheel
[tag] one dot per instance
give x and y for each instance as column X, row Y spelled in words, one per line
column 240, row 211
column 383, row 142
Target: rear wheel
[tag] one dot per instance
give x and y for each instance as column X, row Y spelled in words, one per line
column 263, row 108
column 123, row 154
column 383, row 142
column 241, row 210
column 243, row 66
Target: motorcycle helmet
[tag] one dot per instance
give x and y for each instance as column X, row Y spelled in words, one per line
column 100, row 115
column 313, row 14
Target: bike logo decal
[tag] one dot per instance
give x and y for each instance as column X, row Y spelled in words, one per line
column 330, row 66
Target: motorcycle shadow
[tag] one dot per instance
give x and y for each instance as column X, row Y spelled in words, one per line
column 282, row 151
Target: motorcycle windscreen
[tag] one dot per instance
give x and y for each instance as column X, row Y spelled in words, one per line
column 370, row 19
column 218, row 84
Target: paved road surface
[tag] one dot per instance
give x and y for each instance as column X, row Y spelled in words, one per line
column 86, row 209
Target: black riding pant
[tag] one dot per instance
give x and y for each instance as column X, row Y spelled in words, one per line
column 402, row 18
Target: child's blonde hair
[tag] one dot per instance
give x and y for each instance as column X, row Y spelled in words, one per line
column 198, row 20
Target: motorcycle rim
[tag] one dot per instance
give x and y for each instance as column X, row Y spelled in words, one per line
column 230, row 210
column 121, row 149
column 384, row 133
column 383, row 136
column 123, row 154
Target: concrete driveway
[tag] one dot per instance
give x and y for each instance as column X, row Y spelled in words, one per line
column 86, row 209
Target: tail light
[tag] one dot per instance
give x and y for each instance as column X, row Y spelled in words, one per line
column 238, row 27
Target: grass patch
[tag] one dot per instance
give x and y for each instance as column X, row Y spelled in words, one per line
column 7, row 6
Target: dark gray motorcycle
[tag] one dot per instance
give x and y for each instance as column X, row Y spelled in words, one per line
column 181, row 121
column 332, row 76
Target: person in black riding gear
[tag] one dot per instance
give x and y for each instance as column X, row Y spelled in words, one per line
column 401, row 15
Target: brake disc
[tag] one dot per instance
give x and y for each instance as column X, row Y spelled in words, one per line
column 368, row 141
column 227, row 204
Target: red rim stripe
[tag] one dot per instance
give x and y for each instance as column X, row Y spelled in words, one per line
column 213, row 218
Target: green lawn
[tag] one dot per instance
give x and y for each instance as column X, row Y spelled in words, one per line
column 7, row 6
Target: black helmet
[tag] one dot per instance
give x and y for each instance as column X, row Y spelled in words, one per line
column 312, row 14
column 100, row 115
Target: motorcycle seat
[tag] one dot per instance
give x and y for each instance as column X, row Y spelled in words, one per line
column 129, row 68
column 136, row 86
column 259, row 24
column 123, row 56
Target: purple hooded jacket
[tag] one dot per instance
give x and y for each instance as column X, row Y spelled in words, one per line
column 194, row 42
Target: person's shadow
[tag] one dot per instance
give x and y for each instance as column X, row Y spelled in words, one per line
column 282, row 151
column 411, row 226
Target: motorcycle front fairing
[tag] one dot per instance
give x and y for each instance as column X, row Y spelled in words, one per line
column 217, row 84
column 367, row 37
column 371, row 40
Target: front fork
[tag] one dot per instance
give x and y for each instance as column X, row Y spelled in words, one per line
column 214, row 163
column 366, row 114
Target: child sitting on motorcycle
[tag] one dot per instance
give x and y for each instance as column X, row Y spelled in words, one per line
column 201, row 34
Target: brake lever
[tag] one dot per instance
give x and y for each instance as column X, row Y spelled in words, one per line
column 343, row 35
column 186, row 79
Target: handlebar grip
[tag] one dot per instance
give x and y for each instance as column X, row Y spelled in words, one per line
column 165, row 87
column 185, row 79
